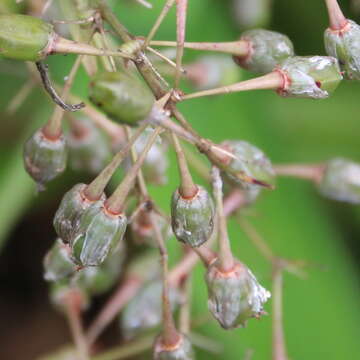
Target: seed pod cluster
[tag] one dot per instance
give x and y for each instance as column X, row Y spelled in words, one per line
column 44, row 158
column 267, row 49
column 313, row 77
column 192, row 219
column 341, row 181
column 180, row 351
column 121, row 96
column 344, row 45
column 234, row 296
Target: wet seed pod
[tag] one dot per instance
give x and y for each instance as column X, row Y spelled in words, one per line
column 235, row 296
column 267, row 49
column 344, row 44
column 24, row 37
column 67, row 217
column 341, row 181
column 44, row 159
column 121, row 96
column 96, row 280
column 99, row 235
column 142, row 229
column 144, row 311
column 212, row 71
column 250, row 161
column 57, row 262
column 192, row 219
column 313, row 77
column 251, row 13
column 89, row 151
column 181, row 351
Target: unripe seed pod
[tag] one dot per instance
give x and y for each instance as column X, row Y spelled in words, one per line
column 234, row 296
column 67, row 217
column 341, row 181
column 310, row 76
column 144, row 311
column 121, row 96
column 250, row 161
column 89, row 151
column 145, row 267
column 24, row 37
column 99, row 235
column 267, row 49
column 344, row 45
column 251, row 13
column 212, row 71
column 192, row 219
column 181, row 351
column 44, row 159
column 57, row 262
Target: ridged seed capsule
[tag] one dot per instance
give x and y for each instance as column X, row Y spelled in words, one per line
column 341, row 181
column 267, row 49
column 181, row 351
column 72, row 206
column 192, row 219
column 99, row 235
column 344, row 44
column 121, row 96
column 44, row 158
column 234, row 296
column 313, row 77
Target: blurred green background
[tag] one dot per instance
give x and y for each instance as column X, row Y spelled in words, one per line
column 322, row 313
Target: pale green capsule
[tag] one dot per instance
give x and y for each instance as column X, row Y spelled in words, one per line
column 267, row 50
column 181, row 351
column 235, row 296
column 251, row 13
column 314, row 77
column 24, row 37
column 341, row 181
column 344, row 45
column 44, row 159
column 192, row 219
column 99, row 235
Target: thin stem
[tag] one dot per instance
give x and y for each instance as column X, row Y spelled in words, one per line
column 279, row 348
column 166, row 59
column 198, row 165
column 124, row 293
column 337, row 19
column 185, row 309
column 187, row 188
column 236, row 48
column 226, row 259
column 181, row 12
column 205, row 253
column 20, row 97
column 145, row 3
column 272, row 81
column 168, row 5
column 116, row 201
column 312, row 172
column 105, row 60
column 52, row 128
column 74, row 320
column 95, row 189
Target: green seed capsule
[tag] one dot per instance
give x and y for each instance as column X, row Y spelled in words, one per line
column 89, row 151
column 235, row 296
column 250, row 161
column 341, row 181
column 181, row 351
column 73, row 205
column 44, row 159
column 57, row 262
column 24, row 37
column 99, row 235
column 96, row 280
column 267, row 50
column 192, row 220
column 344, row 45
column 251, row 13
column 144, row 311
column 313, row 77
column 121, row 96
